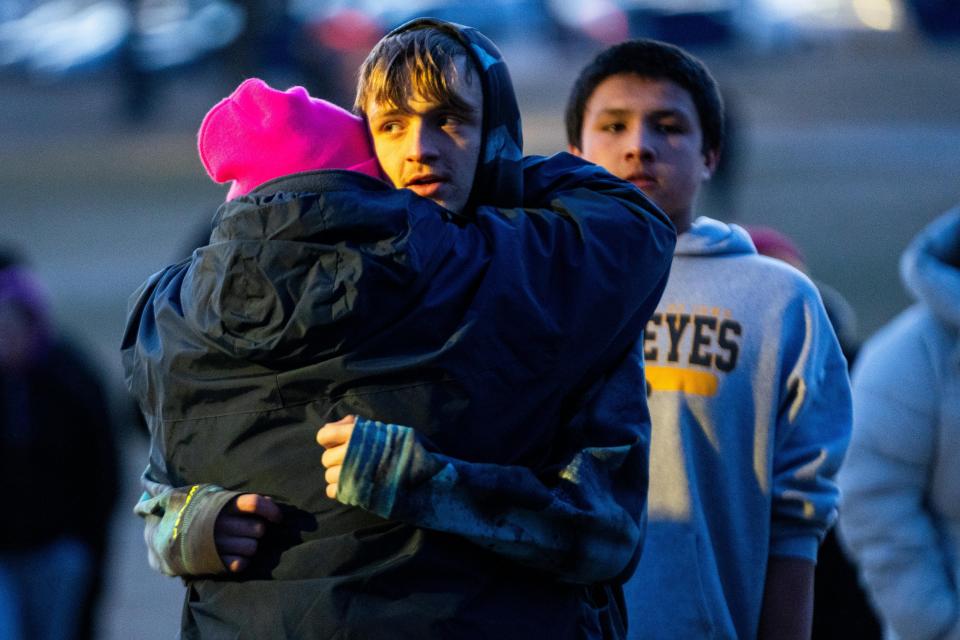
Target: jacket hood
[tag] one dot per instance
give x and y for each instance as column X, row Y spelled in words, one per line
column 930, row 267
column 498, row 181
column 709, row 237
column 280, row 280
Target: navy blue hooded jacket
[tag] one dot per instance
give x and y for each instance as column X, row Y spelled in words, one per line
column 503, row 343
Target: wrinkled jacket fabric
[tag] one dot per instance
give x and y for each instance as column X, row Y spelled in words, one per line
column 476, row 350
column 901, row 482
column 329, row 293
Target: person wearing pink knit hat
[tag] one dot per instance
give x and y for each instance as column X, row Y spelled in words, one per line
column 258, row 134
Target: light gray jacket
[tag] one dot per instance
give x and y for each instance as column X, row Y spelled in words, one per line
column 901, row 483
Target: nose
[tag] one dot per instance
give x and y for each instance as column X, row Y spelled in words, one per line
column 422, row 147
column 642, row 146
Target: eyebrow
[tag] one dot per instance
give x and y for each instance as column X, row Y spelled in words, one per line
column 616, row 113
column 659, row 113
column 669, row 113
column 390, row 113
column 444, row 106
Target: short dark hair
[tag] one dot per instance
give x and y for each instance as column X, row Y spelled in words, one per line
column 658, row 61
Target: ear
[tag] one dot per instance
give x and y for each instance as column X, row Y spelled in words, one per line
column 574, row 151
column 711, row 158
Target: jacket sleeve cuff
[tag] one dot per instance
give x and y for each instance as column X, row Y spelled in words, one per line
column 180, row 535
column 197, row 542
column 376, row 462
column 796, row 546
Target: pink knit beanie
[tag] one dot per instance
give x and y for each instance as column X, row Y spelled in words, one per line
column 257, row 134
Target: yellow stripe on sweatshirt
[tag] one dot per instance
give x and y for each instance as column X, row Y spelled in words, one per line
column 689, row 381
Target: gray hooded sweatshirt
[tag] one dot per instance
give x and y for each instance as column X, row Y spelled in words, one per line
column 750, row 406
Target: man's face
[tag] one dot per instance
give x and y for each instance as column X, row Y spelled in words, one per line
column 647, row 131
column 432, row 148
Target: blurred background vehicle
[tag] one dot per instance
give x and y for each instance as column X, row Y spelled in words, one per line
column 319, row 43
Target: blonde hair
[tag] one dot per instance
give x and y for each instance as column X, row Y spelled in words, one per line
column 418, row 62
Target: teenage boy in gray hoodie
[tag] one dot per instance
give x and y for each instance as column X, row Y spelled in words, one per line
column 748, row 389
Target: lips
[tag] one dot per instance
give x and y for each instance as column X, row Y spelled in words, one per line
column 426, row 184
column 642, row 180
